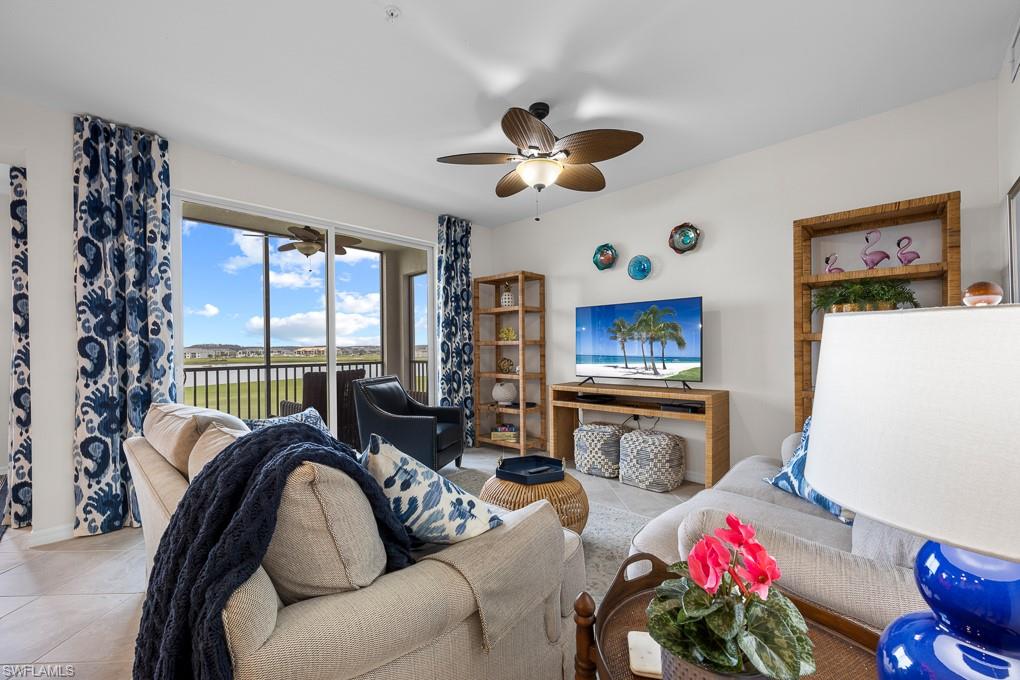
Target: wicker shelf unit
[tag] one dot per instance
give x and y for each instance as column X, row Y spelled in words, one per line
column 527, row 353
column 944, row 208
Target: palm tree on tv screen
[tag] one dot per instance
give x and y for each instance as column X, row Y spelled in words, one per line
column 673, row 332
column 653, row 322
column 621, row 332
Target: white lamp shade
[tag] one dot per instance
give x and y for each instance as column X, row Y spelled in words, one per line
column 539, row 171
column 916, row 422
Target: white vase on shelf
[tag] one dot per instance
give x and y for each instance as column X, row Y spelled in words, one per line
column 504, row 393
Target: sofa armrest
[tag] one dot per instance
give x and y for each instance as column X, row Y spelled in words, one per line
column 415, row 435
column 347, row 634
column 443, row 414
column 513, row 569
column 856, row 587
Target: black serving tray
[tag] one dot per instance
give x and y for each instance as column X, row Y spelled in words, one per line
column 515, row 469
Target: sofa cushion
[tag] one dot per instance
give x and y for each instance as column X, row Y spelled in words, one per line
column 215, row 438
column 447, row 434
column 747, row 478
column 309, row 417
column 174, row 429
column 326, row 539
column 885, row 544
column 432, row 508
column 662, row 535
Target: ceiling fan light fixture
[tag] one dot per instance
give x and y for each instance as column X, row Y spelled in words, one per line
column 539, row 173
column 307, row 248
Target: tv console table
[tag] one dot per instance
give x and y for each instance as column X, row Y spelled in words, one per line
column 643, row 400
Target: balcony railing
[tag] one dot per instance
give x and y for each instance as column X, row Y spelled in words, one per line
column 245, row 390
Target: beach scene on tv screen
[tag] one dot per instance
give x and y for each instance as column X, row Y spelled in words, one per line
column 657, row 340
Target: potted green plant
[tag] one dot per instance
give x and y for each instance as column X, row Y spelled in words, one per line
column 721, row 618
column 865, row 295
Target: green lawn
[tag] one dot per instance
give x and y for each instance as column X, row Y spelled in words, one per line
column 240, row 393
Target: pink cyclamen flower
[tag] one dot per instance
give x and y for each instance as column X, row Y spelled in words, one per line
column 738, row 533
column 759, row 569
column 707, row 563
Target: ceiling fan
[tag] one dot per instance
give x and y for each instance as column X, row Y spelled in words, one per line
column 543, row 158
column 309, row 241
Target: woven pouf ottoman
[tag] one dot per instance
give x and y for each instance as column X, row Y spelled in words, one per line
column 597, row 448
column 652, row 460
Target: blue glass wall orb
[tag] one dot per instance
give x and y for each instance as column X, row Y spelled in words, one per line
column 684, row 238
column 639, row 267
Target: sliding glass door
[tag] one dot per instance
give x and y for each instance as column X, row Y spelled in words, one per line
column 267, row 328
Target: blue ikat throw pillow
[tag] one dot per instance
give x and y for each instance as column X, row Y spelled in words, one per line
column 791, row 479
column 309, row 417
column 431, row 507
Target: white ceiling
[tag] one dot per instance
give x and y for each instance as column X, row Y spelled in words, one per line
column 333, row 91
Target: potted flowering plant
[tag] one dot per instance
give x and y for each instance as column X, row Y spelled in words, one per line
column 723, row 616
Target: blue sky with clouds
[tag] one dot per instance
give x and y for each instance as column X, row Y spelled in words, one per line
column 222, row 288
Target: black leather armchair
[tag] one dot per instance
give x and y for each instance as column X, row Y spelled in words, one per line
column 433, row 435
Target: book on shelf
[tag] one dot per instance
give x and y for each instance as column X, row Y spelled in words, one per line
column 504, row 436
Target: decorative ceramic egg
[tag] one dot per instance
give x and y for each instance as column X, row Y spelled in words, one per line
column 506, row 299
column 639, row 267
column 604, row 257
column 684, row 238
column 504, row 393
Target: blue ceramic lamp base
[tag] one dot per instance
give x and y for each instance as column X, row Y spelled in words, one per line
column 973, row 630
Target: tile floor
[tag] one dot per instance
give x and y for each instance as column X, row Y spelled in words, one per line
column 78, row 602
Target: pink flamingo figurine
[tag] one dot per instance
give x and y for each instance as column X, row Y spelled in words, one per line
column 906, row 256
column 830, row 265
column 874, row 258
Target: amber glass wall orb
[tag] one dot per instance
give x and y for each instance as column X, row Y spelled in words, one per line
column 982, row 293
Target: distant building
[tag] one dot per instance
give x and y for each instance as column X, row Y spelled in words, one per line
column 310, row 351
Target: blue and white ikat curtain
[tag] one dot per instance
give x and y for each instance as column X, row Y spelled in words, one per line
column 123, row 307
column 456, row 349
column 18, row 512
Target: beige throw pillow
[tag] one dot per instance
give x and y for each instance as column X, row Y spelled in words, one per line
column 215, row 438
column 174, row 429
column 326, row 539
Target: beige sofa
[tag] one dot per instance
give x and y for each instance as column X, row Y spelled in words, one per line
column 421, row 622
column 864, row 572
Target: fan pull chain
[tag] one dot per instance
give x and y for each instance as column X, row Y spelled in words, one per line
column 537, row 218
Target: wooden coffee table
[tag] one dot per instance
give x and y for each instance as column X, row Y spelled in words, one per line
column 844, row 650
column 566, row 496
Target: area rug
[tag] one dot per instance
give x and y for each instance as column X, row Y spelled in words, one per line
column 606, row 537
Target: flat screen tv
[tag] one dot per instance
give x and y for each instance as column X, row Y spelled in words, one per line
column 654, row 340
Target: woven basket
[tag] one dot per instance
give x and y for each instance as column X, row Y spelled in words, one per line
column 652, row 460
column 597, row 448
column 566, row 496
column 675, row 668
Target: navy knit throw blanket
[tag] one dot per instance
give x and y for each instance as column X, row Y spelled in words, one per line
column 217, row 538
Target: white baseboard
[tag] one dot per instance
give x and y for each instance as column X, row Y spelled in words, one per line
column 51, row 535
column 695, row 476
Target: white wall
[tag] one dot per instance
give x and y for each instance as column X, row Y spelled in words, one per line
column 40, row 139
column 746, row 206
column 1009, row 129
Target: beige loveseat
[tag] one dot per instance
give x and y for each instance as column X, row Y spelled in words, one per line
column 864, row 572
column 423, row 622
